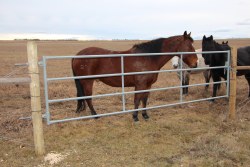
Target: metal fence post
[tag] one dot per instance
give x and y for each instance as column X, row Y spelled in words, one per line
column 123, row 89
column 35, row 98
column 228, row 71
column 181, row 78
column 233, row 81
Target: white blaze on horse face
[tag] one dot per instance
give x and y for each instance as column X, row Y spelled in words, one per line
column 200, row 61
column 174, row 61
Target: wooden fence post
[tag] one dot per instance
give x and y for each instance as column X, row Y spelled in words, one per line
column 35, row 98
column 233, row 81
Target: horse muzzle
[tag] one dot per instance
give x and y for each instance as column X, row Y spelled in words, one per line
column 195, row 65
column 175, row 66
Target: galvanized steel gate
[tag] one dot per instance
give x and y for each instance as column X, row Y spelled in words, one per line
column 122, row 74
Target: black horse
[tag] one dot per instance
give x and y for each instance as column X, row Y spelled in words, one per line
column 243, row 59
column 215, row 59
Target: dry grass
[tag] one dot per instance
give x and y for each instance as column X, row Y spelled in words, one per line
column 196, row 134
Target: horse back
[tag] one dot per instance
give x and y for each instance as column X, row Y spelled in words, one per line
column 243, row 59
column 93, row 51
column 243, row 56
column 93, row 66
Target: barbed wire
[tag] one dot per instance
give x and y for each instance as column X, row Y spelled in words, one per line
column 15, row 141
column 246, row 101
column 14, row 72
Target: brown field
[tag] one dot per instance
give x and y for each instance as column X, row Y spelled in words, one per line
column 196, row 134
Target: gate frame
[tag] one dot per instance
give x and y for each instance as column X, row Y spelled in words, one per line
column 122, row 74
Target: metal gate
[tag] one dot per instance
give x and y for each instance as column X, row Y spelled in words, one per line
column 122, row 74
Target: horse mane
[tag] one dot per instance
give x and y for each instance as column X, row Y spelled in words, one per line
column 153, row 46
column 219, row 59
column 217, row 45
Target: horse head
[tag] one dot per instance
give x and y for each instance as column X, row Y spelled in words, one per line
column 224, row 43
column 225, row 46
column 186, row 45
column 208, row 45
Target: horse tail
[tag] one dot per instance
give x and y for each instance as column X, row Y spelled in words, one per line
column 79, row 88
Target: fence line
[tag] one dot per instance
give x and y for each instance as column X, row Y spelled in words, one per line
column 8, row 78
column 18, row 141
column 15, row 80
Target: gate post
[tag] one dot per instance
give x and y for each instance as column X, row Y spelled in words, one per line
column 233, row 81
column 35, row 98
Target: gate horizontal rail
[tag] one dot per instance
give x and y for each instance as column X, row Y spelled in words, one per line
column 130, row 55
column 131, row 92
column 122, row 75
column 132, row 73
column 133, row 110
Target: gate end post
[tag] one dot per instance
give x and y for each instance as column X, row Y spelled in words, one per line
column 233, row 82
column 35, row 98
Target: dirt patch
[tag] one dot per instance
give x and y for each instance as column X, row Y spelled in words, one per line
column 54, row 158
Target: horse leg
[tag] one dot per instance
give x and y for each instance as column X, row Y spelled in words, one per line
column 187, row 76
column 136, row 103
column 80, row 103
column 207, row 76
column 88, row 87
column 141, row 97
column 216, row 86
column 144, row 105
column 185, row 82
column 183, row 89
column 247, row 76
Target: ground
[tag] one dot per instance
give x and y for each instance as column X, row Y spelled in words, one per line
column 196, row 134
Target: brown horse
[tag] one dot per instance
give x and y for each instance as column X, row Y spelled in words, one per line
column 95, row 66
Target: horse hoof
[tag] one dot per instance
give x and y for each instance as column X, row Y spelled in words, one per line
column 211, row 101
column 97, row 117
column 137, row 123
column 146, row 117
column 136, row 119
column 78, row 111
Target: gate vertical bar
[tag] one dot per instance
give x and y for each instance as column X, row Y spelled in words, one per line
column 233, row 82
column 46, row 89
column 35, row 98
column 123, row 89
column 228, row 71
column 181, row 79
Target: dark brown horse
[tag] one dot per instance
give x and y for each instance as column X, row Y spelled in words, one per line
column 95, row 66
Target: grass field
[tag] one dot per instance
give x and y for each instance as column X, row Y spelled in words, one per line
column 197, row 134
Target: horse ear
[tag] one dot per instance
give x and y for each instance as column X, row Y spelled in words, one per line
column 204, row 37
column 189, row 34
column 212, row 38
column 185, row 33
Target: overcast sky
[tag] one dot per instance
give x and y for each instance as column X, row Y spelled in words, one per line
column 127, row 19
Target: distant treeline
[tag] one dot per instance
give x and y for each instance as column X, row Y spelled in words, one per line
column 27, row 39
column 46, row 39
